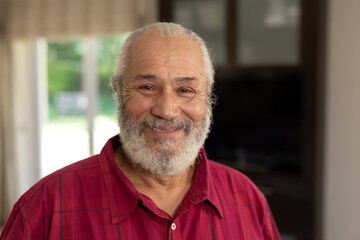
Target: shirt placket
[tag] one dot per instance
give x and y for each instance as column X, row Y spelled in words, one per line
column 174, row 230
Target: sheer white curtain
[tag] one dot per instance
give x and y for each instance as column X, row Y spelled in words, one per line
column 22, row 22
column 33, row 18
column 8, row 179
column 6, row 120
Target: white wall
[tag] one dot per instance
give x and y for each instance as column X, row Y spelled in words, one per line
column 341, row 215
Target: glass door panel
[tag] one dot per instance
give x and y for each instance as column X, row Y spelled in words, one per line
column 106, row 120
column 64, row 134
column 81, row 104
column 268, row 32
column 208, row 19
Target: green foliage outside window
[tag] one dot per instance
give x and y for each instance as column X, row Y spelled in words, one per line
column 65, row 70
column 107, row 52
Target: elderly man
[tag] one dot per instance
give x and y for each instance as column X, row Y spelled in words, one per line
column 153, row 181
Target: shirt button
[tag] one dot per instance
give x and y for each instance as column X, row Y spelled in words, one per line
column 173, row 226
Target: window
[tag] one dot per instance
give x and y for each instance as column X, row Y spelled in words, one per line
column 81, row 108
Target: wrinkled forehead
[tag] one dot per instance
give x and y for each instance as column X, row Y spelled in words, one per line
column 152, row 44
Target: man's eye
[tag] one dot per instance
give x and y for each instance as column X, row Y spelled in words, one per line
column 146, row 87
column 186, row 92
column 147, row 90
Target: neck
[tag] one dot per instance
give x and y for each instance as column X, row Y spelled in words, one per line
column 167, row 192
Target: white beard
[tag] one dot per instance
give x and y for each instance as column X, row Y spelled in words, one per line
column 166, row 159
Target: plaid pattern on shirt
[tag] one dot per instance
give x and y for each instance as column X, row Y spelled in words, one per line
column 92, row 199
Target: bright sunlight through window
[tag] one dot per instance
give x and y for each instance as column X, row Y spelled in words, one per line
column 81, row 105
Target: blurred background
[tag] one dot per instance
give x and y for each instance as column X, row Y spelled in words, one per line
column 287, row 80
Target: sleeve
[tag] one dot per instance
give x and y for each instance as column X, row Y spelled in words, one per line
column 265, row 217
column 16, row 227
column 269, row 227
column 264, row 214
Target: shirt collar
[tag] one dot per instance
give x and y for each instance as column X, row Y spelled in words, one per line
column 122, row 195
column 117, row 184
column 203, row 187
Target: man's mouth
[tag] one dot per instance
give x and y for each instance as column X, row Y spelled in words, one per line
column 165, row 129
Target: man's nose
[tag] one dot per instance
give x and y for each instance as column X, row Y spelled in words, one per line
column 166, row 106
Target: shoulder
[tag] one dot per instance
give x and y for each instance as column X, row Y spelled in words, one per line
column 48, row 187
column 36, row 207
column 234, row 189
column 235, row 176
column 234, row 182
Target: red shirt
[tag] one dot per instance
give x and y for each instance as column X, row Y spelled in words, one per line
column 92, row 199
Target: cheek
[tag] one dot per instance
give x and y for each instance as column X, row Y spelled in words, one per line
column 136, row 105
column 195, row 110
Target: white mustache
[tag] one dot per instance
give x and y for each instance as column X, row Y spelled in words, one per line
column 173, row 123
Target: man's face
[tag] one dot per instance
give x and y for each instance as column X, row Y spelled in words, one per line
column 164, row 108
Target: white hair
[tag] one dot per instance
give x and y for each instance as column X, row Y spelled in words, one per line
column 168, row 30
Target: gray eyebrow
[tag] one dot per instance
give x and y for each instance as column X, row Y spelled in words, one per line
column 178, row 79
column 145, row 76
column 186, row 79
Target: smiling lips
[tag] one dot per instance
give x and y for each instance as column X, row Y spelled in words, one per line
column 164, row 131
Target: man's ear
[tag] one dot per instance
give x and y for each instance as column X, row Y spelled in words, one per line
column 113, row 83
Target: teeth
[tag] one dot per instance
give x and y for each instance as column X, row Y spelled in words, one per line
column 162, row 131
